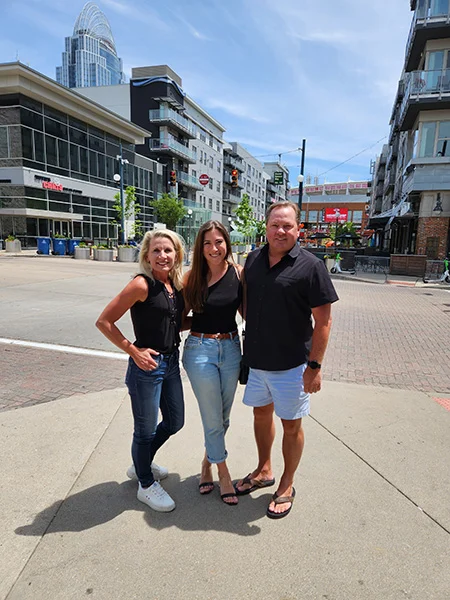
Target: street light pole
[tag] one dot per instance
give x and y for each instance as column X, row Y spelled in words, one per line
column 301, row 176
column 189, row 218
column 122, row 161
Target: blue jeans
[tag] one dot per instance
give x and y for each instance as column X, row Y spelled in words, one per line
column 151, row 391
column 213, row 370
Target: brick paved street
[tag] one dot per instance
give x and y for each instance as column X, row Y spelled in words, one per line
column 382, row 335
column 392, row 336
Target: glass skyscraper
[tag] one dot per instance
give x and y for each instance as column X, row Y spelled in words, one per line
column 90, row 58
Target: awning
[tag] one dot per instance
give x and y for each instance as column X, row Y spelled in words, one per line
column 41, row 214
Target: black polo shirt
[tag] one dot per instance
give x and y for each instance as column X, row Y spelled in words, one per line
column 279, row 327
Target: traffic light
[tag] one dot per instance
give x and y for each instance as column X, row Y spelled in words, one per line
column 234, row 178
column 173, row 178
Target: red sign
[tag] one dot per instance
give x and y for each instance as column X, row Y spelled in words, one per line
column 49, row 185
column 204, row 179
column 336, row 214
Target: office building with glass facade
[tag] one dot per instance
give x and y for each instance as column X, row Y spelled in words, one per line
column 90, row 58
column 58, row 156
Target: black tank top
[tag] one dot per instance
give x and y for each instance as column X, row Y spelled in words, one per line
column 219, row 309
column 157, row 320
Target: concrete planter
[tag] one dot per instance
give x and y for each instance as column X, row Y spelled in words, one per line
column 83, row 253
column 103, row 254
column 329, row 262
column 126, row 254
column 241, row 258
column 14, row 246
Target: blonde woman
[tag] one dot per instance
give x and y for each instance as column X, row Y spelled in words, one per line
column 156, row 305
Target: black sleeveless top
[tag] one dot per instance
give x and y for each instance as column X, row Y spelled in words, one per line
column 157, row 320
column 219, row 309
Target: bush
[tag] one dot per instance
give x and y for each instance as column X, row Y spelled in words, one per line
column 10, row 238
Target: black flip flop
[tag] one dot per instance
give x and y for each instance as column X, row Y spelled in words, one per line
column 206, row 484
column 281, row 500
column 255, row 485
column 229, row 495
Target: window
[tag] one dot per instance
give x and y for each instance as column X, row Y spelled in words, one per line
column 194, row 173
column 357, row 216
column 443, row 146
column 434, row 139
column 218, row 205
column 50, row 149
column 194, row 149
column 219, row 166
column 210, row 203
column 313, row 216
column 427, row 138
column 201, row 155
column 27, row 143
column 218, row 186
column 211, row 181
column 211, row 162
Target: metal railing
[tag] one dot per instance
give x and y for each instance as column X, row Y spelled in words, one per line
column 428, row 11
column 419, row 84
column 167, row 114
column 372, row 264
column 189, row 180
column 171, row 144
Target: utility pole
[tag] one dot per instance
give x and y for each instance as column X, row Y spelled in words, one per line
column 301, row 176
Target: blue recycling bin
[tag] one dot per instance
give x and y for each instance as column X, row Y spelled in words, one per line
column 43, row 245
column 71, row 245
column 59, row 246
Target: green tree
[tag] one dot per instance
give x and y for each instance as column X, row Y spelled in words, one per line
column 260, row 231
column 245, row 222
column 169, row 210
column 132, row 208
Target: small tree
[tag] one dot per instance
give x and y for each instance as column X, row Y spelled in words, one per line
column 245, row 222
column 260, row 231
column 169, row 210
column 132, row 208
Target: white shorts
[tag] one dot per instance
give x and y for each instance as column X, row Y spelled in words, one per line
column 283, row 388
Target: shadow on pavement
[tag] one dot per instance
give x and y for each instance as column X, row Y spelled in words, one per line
column 106, row 501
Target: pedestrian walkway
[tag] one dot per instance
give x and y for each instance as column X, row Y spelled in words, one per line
column 371, row 519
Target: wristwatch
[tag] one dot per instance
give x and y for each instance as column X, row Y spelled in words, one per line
column 313, row 364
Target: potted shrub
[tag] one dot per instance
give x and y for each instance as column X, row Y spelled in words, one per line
column 241, row 258
column 82, row 251
column 12, row 245
column 103, row 253
column 126, row 253
column 329, row 261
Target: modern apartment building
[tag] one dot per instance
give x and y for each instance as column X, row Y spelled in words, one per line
column 90, row 56
column 58, row 156
column 185, row 138
column 250, row 181
column 410, row 206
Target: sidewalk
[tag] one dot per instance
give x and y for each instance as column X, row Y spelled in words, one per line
column 371, row 518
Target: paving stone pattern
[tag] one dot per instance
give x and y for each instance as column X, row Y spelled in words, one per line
column 389, row 335
column 384, row 335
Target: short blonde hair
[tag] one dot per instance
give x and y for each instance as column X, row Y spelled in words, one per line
column 176, row 273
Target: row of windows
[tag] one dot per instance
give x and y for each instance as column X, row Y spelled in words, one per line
column 432, row 139
column 64, row 158
column 317, row 216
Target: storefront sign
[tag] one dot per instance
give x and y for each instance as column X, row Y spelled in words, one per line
column 336, row 214
column 49, row 185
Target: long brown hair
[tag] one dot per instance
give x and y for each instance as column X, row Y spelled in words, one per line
column 196, row 289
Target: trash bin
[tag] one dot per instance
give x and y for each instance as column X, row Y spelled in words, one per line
column 59, row 246
column 71, row 245
column 43, row 245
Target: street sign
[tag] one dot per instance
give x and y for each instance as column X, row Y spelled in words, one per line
column 336, row 214
column 278, row 178
column 204, row 179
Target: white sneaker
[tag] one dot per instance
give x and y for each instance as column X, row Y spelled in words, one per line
column 156, row 497
column 158, row 472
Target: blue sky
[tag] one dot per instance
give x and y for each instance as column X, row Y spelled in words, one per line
column 271, row 71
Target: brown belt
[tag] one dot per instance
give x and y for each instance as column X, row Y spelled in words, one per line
column 216, row 336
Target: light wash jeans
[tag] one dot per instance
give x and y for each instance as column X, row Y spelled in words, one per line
column 213, row 370
column 150, row 392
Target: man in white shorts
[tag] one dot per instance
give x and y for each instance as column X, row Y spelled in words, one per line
column 285, row 287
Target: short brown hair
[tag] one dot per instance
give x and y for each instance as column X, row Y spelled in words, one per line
column 284, row 204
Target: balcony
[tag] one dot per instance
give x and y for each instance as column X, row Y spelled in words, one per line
column 173, row 148
column 189, row 180
column 232, row 196
column 430, row 22
column 425, row 90
column 393, row 151
column 233, row 162
column 389, row 182
column 171, row 117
